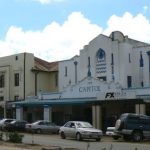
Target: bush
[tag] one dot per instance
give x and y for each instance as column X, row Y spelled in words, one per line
column 15, row 137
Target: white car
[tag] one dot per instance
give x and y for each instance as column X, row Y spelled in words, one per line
column 80, row 130
column 110, row 131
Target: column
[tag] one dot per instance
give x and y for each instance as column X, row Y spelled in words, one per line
column 94, row 115
column 148, row 53
column 140, row 109
column 47, row 113
column 19, row 113
column 97, row 116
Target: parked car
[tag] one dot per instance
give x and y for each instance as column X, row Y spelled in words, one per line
column 134, row 127
column 80, row 130
column 16, row 125
column 42, row 126
column 110, row 131
column 5, row 121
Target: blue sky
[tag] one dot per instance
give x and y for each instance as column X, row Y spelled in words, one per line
column 62, row 27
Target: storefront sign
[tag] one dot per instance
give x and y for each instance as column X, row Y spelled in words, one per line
column 115, row 95
column 89, row 89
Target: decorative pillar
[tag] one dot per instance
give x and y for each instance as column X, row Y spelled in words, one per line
column 47, row 113
column 97, row 116
column 148, row 53
column 19, row 113
column 140, row 109
column 141, row 70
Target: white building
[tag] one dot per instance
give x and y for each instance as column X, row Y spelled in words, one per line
column 109, row 77
column 112, row 59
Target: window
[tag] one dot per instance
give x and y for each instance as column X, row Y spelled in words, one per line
column 129, row 58
column 2, row 80
column 112, row 59
column 1, row 98
column 66, row 72
column 16, row 79
column 16, row 97
column 56, row 80
column 129, row 81
column 102, row 78
column 16, row 58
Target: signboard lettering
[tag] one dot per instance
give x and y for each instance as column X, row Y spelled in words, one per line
column 89, row 89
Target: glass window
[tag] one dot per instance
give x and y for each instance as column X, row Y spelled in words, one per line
column 16, row 79
column 66, row 71
column 129, row 58
column 1, row 98
column 16, row 97
column 56, row 80
column 129, row 81
column 2, row 80
column 112, row 59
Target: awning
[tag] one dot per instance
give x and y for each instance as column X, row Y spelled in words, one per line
column 36, row 102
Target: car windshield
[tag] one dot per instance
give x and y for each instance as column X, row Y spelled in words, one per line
column 83, row 125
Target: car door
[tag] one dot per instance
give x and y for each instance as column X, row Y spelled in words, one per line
column 49, row 127
column 53, row 128
column 145, row 125
column 72, row 130
column 41, row 125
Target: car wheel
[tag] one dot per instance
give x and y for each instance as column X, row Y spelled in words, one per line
column 126, row 137
column 115, row 137
column 38, row 131
column 137, row 136
column 78, row 137
column 99, row 139
column 62, row 135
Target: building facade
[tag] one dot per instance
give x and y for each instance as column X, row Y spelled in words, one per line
column 111, row 76
column 21, row 76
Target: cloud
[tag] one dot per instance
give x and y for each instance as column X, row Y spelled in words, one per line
column 62, row 41
column 54, row 42
column 48, row 1
column 136, row 27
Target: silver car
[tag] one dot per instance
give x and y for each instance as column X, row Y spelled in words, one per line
column 80, row 130
column 42, row 126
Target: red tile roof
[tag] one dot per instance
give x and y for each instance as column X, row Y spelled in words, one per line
column 42, row 65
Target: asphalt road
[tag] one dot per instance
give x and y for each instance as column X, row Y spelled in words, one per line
column 107, row 143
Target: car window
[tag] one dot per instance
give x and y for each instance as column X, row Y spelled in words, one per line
column 41, row 123
column 72, row 125
column 67, row 124
column 144, row 120
column 52, row 124
column 133, row 119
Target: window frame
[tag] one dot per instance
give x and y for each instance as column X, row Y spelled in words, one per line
column 16, row 79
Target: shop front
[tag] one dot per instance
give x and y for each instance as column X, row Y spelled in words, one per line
column 91, row 100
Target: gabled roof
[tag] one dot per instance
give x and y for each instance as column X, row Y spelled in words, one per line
column 42, row 65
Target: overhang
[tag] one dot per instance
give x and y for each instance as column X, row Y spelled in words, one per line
column 36, row 102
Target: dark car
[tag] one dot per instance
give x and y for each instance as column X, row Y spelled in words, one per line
column 16, row 125
column 134, row 127
column 4, row 122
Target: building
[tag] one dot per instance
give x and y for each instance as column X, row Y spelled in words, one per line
column 23, row 75
column 109, row 77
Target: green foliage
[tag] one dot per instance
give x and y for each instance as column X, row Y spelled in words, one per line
column 15, row 137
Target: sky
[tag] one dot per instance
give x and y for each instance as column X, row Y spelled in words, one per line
column 56, row 30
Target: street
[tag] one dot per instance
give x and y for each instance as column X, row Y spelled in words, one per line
column 107, row 143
